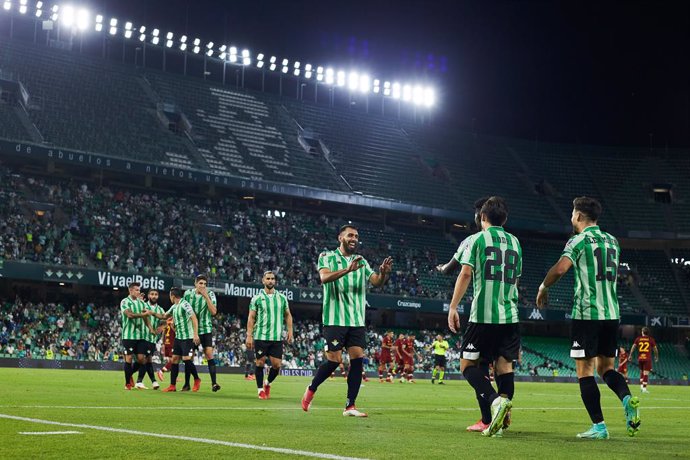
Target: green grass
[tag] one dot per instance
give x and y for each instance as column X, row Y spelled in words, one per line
column 405, row 421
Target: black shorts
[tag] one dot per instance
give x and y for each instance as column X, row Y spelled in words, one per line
column 339, row 337
column 440, row 360
column 134, row 347
column 272, row 348
column 148, row 347
column 206, row 340
column 489, row 341
column 184, row 347
column 592, row 338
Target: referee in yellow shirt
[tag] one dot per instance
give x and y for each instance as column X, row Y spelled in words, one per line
column 440, row 347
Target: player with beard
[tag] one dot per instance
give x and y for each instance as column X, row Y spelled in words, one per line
column 267, row 311
column 135, row 323
column 386, row 357
column 150, row 339
column 344, row 275
column 399, row 345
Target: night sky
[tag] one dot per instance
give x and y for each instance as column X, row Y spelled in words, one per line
column 589, row 72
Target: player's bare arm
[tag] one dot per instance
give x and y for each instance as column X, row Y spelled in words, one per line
column 129, row 314
column 384, row 274
column 328, row 276
column 250, row 330
column 195, row 325
column 288, row 324
column 555, row 273
column 461, row 285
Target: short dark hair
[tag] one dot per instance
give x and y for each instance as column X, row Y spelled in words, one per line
column 479, row 203
column 495, row 210
column 590, row 207
column 201, row 278
column 134, row 283
column 152, row 290
column 176, row 292
column 645, row 330
column 345, row 227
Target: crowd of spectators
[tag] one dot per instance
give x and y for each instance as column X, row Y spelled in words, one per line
column 75, row 223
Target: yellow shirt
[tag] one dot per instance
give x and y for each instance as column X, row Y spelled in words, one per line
column 441, row 347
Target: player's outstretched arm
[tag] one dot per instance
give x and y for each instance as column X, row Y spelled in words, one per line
column 555, row 273
column 459, row 291
column 448, row 267
column 129, row 314
column 384, row 274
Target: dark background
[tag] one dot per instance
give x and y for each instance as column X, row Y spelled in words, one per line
column 590, row 72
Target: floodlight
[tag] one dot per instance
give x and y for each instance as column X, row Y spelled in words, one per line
column 285, row 62
column 196, row 50
column 113, row 30
column 245, row 53
column 222, row 48
column 113, row 22
column 209, row 45
column 183, row 47
column 67, row 16
column 341, row 78
column 376, row 86
column 142, row 37
column 297, row 64
column 156, row 32
column 273, row 59
column 353, row 81
column 396, row 90
column 364, row 83
column 197, row 42
column 209, row 52
column 155, row 40
column 169, row 43
column 407, row 93
column 246, row 61
column 429, row 97
column 296, row 72
column 22, row 6
column 387, row 88
column 183, row 39
column 260, row 56
column 142, row 29
column 169, row 36
column 329, row 76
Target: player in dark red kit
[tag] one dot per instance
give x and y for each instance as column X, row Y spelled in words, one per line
column 623, row 362
column 408, row 359
column 386, row 357
column 644, row 345
column 398, row 346
column 168, row 342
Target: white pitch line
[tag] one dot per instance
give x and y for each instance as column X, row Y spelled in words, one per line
column 49, row 432
column 298, row 409
column 239, row 445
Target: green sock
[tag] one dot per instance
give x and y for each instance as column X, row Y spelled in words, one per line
column 433, row 374
column 442, row 374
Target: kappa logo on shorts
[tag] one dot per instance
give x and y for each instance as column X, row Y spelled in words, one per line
column 470, row 347
column 575, row 344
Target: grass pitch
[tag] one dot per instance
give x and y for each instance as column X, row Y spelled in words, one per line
column 405, row 420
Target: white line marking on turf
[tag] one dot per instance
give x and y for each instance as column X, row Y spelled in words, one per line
column 299, row 409
column 240, row 445
column 49, row 432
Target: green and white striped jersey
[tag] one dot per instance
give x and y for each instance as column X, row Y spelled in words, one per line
column 344, row 300
column 496, row 259
column 595, row 256
column 182, row 320
column 132, row 328
column 270, row 313
column 153, row 338
column 461, row 248
column 200, row 307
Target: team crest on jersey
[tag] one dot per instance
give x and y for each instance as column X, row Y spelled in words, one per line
column 259, row 352
column 334, row 343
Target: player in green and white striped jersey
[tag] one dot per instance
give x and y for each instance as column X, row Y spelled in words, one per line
column 594, row 328
column 186, row 339
column 135, row 324
column 493, row 260
column 447, row 269
column 150, row 339
column 204, row 304
column 267, row 311
column 344, row 276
